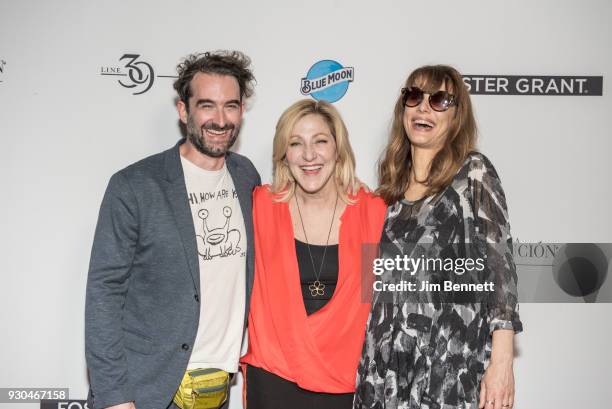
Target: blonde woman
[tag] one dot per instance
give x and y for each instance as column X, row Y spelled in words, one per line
column 307, row 317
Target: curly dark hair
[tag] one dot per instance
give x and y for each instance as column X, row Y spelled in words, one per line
column 221, row 62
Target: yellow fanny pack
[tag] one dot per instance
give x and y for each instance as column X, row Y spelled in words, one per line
column 203, row 389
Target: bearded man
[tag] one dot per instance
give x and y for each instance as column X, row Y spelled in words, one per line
column 171, row 268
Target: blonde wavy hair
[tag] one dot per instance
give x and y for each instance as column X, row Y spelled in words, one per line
column 394, row 169
column 283, row 182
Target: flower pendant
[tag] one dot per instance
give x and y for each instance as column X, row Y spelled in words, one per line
column 317, row 288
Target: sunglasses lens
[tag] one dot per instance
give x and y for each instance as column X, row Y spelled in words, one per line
column 413, row 96
column 440, row 101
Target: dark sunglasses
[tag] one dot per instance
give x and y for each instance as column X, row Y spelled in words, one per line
column 438, row 101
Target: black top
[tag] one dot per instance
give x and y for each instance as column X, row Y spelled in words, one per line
column 315, row 298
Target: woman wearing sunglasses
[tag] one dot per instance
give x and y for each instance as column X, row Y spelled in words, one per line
column 428, row 346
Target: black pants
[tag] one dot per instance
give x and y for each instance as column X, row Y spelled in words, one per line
column 268, row 391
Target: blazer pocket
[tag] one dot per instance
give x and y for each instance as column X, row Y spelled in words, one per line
column 137, row 342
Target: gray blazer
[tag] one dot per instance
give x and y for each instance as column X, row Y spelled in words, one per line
column 143, row 289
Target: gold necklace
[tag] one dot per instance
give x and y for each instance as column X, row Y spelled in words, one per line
column 317, row 288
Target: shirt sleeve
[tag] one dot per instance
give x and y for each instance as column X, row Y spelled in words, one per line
column 109, row 270
column 493, row 237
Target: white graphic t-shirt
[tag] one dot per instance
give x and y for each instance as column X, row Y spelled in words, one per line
column 221, row 239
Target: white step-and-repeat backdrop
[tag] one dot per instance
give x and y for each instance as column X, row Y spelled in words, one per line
column 86, row 88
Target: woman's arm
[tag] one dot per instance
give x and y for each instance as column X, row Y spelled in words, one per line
column 493, row 232
column 497, row 384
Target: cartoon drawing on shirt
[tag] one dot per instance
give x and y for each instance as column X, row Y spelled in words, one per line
column 219, row 241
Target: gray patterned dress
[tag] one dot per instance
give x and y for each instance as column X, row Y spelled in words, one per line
column 424, row 349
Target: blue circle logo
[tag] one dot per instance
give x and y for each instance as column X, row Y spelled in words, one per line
column 327, row 80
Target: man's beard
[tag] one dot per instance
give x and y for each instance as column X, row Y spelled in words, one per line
column 197, row 137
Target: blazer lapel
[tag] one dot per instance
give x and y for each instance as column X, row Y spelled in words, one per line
column 176, row 193
column 244, row 189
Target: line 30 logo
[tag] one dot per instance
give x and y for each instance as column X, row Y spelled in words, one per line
column 327, row 80
column 138, row 75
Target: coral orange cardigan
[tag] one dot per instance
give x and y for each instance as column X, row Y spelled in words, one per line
column 319, row 352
